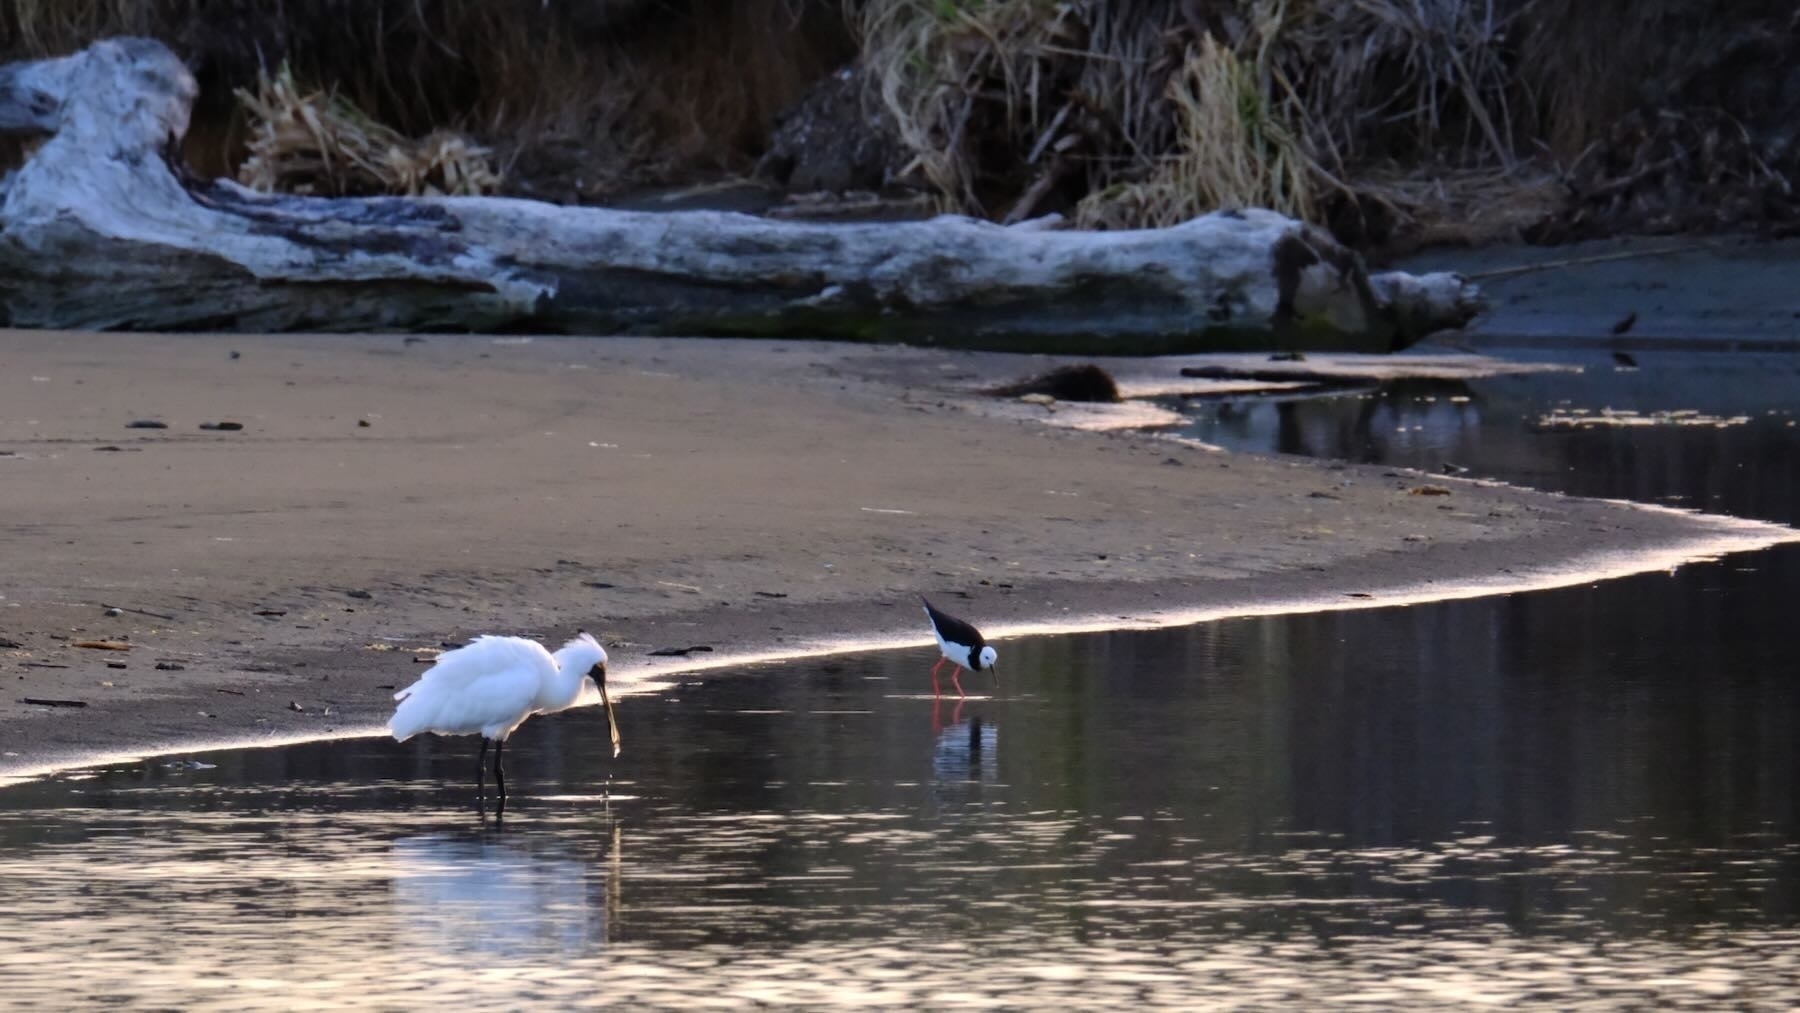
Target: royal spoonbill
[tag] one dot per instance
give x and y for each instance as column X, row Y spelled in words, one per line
column 489, row 686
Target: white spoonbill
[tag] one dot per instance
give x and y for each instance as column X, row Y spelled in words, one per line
column 961, row 644
column 492, row 684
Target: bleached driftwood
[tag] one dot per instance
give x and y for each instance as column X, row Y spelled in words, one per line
column 103, row 228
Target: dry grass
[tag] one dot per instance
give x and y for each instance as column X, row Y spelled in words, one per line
column 1462, row 206
column 988, row 91
column 956, row 76
column 1403, row 78
column 1233, row 150
column 1142, row 113
column 644, row 91
column 314, row 142
column 1420, row 115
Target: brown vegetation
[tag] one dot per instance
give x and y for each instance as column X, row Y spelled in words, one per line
column 317, row 143
column 1393, row 121
column 606, row 92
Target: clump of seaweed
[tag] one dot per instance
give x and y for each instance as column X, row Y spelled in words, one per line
column 1085, row 382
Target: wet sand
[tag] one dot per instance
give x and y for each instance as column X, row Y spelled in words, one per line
column 757, row 498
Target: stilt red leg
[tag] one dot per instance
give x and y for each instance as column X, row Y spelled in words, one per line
column 956, row 680
column 934, row 671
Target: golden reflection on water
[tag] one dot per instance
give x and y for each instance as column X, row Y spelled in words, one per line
column 265, row 909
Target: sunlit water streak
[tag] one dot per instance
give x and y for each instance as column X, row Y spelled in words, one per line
column 1582, row 798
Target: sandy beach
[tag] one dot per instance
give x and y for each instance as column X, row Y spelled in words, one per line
column 386, row 494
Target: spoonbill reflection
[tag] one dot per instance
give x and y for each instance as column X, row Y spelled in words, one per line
column 491, row 685
column 502, row 896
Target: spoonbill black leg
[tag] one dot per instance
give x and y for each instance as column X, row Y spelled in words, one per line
column 480, row 762
column 499, row 778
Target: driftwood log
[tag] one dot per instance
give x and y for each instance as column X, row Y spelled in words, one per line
column 103, row 227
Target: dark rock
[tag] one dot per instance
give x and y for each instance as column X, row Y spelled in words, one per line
column 146, row 424
column 222, row 427
column 1085, row 382
column 833, row 139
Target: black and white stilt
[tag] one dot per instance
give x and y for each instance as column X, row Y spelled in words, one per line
column 961, row 644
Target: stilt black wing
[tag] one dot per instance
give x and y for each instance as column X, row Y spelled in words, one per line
column 955, row 630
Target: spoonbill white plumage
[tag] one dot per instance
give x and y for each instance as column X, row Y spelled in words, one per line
column 492, row 684
column 961, row 644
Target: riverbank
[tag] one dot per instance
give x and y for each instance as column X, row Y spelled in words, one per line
column 757, row 498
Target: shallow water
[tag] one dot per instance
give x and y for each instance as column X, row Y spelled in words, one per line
column 1416, row 803
column 1581, row 798
column 1710, row 431
column 1705, row 430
